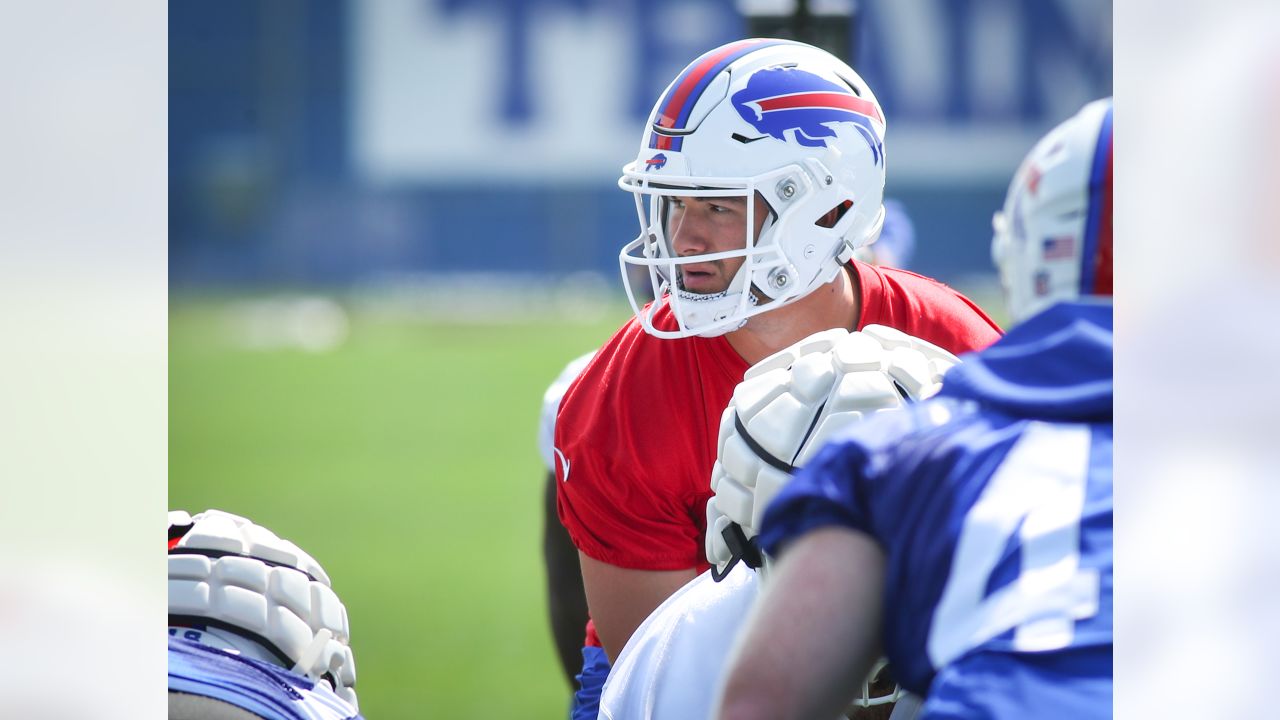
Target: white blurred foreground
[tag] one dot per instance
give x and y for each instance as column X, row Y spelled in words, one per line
column 1197, row 401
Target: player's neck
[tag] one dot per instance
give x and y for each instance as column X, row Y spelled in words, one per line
column 836, row 304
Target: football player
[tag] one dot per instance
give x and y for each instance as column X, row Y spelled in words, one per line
column 972, row 533
column 566, row 603
column 760, row 174
column 255, row 630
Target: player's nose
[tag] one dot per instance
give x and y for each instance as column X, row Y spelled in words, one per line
column 690, row 236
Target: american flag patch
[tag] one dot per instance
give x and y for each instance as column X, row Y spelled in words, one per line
column 1059, row 248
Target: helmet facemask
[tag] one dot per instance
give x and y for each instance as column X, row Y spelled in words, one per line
column 767, row 277
column 664, row 221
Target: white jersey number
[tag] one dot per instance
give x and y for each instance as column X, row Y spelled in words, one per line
column 1037, row 492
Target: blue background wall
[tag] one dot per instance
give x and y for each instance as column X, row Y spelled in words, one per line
column 275, row 106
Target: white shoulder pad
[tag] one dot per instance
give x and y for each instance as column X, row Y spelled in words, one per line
column 229, row 573
column 792, row 403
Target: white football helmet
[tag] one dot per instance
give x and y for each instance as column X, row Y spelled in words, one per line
column 765, row 120
column 243, row 589
column 1052, row 240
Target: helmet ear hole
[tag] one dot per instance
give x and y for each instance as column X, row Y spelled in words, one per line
column 833, row 216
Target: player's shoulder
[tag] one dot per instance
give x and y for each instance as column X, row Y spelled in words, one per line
column 551, row 406
column 194, row 662
column 209, row 679
column 632, row 354
column 932, row 432
column 873, row 469
column 603, row 384
column 556, row 390
column 925, row 307
column 882, row 431
column 938, row 423
column 905, row 285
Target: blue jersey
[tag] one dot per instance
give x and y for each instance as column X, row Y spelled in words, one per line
column 993, row 505
column 264, row 689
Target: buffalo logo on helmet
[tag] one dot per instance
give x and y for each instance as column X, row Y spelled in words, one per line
column 778, row 100
column 657, row 162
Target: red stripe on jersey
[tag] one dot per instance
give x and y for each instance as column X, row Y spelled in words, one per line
column 1102, row 276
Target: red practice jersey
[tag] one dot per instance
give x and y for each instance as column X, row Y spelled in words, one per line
column 636, row 434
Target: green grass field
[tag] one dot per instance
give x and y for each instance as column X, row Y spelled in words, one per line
column 405, row 461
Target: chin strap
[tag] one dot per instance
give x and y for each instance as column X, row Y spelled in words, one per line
column 847, row 252
column 740, row 548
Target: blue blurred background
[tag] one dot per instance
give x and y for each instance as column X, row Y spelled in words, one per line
column 331, row 144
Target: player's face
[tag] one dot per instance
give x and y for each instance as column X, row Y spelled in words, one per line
column 704, row 225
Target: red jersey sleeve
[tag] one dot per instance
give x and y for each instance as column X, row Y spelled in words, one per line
column 923, row 307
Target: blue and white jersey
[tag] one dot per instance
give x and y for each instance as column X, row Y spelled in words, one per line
column 259, row 687
column 993, row 505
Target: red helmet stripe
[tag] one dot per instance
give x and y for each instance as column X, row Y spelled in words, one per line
column 687, row 87
column 1102, row 278
column 822, row 99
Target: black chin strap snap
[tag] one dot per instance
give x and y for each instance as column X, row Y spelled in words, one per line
column 740, row 548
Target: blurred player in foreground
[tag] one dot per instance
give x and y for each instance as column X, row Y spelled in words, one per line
column 760, row 173
column 971, row 534
column 787, row 406
column 254, row 629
